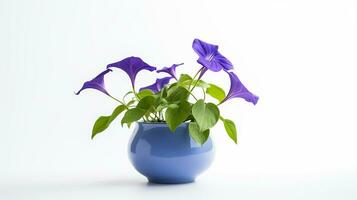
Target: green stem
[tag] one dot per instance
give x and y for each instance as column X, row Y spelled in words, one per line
column 196, row 80
column 204, row 94
column 193, row 96
column 162, row 116
column 220, row 103
column 123, row 99
column 156, row 117
column 145, row 119
column 118, row 100
column 194, row 77
column 194, row 85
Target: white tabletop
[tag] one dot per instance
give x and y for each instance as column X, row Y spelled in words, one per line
column 299, row 57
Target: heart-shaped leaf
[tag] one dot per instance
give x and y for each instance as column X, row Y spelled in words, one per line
column 144, row 93
column 133, row 115
column 199, row 136
column 205, row 114
column 146, row 102
column 175, row 115
column 177, row 94
column 137, row 113
column 184, row 77
column 185, row 81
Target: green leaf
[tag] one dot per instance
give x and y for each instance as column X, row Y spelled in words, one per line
column 179, row 94
column 205, row 114
column 158, row 100
column 172, row 86
column 199, row 136
column 190, row 118
column 144, row 93
column 116, row 112
column 163, row 92
column 184, row 77
column 216, row 92
column 100, row 125
column 133, row 115
column 185, row 80
column 230, row 129
column 177, row 114
column 161, row 105
column 146, row 102
column 202, row 84
column 103, row 122
column 173, row 106
column 130, row 103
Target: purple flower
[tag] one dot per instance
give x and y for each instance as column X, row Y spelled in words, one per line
column 170, row 70
column 96, row 83
column 132, row 66
column 158, row 85
column 238, row 90
column 209, row 57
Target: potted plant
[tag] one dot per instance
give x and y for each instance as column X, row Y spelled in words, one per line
column 171, row 142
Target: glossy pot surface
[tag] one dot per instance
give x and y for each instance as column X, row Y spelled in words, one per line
column 168, row 157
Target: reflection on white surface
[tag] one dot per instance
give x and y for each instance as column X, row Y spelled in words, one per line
column 210, row 187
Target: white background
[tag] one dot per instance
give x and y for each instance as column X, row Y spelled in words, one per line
column 298, row 142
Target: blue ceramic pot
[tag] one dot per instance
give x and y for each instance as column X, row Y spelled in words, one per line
column 168, row 157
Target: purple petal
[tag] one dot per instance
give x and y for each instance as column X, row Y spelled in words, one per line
column 158, row 85
column 209, row 56
column 170, row 70
column 238, row 90
column 213, row 66
column 152, row 87
column 204, row 49
column 96, row 83
column 223, row 61
column 132, row 66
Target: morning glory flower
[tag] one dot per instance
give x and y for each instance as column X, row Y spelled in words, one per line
column 97, row 83
column 209, row 57
column 132, row 66
column 170, row 70
column 238, row 90
column 158, row 85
